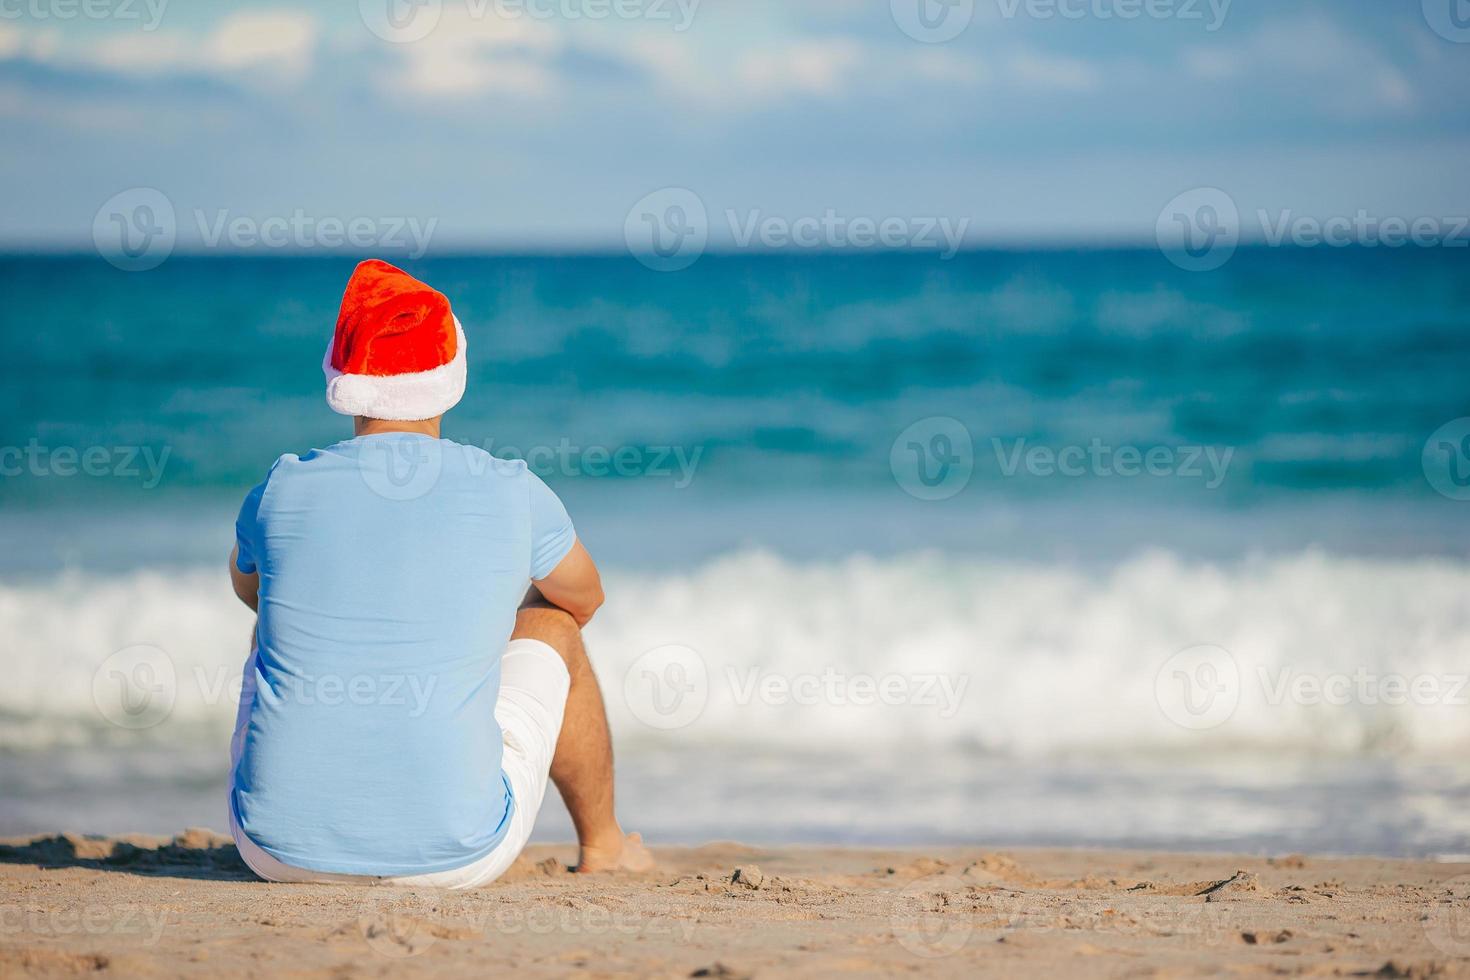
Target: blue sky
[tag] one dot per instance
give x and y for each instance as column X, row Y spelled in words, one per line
column 539, row 128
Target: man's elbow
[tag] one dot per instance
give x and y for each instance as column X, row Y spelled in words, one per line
column 594, row 602
column 250, row 597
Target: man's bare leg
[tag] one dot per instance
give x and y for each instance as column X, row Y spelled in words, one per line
column 582, row 767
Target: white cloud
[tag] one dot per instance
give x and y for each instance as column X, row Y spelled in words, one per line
column 942, row 65
column 759, row 74
column 139, row 53
column 486, row 56
column 1213, row 64
column 1394, row 90
column 746, row 77
column 1347, row 74
column 274, row 40
column 36, row 44
column 816, row 67
column 260, row 46
column 669, row 58
column 1051, row 72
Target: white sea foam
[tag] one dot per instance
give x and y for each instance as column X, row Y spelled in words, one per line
column 1329, row 655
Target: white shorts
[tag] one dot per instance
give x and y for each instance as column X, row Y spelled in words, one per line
column 533, row 696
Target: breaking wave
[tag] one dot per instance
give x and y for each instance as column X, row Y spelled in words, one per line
column 1306, row 653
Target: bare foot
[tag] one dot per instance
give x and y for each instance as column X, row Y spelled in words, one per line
column 629, row 854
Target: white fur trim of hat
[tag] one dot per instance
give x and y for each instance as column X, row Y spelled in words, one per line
column 399, row 397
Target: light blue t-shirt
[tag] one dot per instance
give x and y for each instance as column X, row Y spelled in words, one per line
column 391, row 567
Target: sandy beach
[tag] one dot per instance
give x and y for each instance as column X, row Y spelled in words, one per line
column 148, row 907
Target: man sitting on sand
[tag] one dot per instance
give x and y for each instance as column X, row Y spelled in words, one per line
column 406, row 696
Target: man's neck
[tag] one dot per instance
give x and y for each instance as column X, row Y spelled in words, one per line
column 369, row 427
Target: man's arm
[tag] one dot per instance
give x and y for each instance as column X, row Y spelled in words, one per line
column 247, row 587
column 574, row 585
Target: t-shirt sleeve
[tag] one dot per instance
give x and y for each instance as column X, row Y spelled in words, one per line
column 552, row 534
column 247, row 530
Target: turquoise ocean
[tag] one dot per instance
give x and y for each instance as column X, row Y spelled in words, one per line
column 1010, row 489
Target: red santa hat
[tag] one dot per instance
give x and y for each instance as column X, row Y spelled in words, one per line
column 398, row 352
